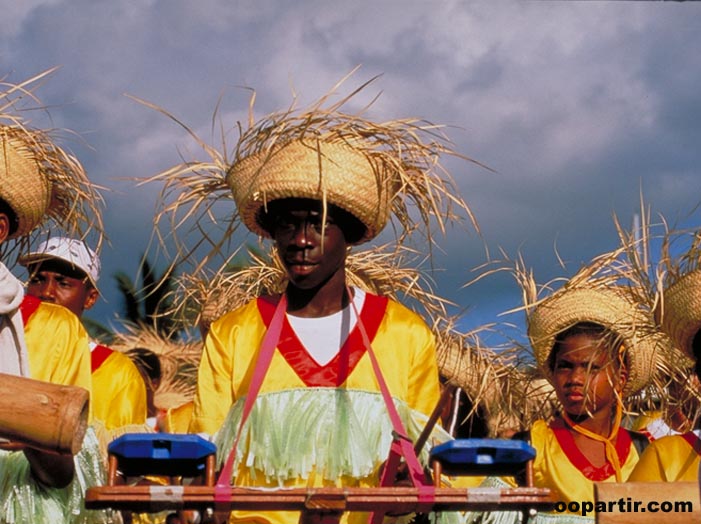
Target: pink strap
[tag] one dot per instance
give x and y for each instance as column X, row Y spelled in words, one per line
column 401, row 446
column 222, row 489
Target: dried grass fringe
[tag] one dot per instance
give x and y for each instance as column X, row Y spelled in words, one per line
column 76, row 204
column 630, row 266
column 427, row 194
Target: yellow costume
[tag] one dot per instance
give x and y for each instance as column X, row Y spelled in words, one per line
column 670, row 459
column 119, row 392
column 57, row 344
column 561, row 467
column 312, row 424
column 597, row 318
column 319, row 424
column 175, row 420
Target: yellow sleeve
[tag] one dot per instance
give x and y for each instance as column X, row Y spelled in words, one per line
column 176, row 420
column 669, row 459
column 406, row 351
column 424, row 385
column 57, row 345
column 214, row 394
column 119, row 397
column 649, row 468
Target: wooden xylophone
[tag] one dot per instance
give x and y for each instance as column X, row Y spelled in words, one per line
column 396, row 500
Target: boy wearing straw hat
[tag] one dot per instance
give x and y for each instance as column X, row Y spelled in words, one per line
column 65, row 271
column 318, row 182
column 38, row 182
column 677, row 457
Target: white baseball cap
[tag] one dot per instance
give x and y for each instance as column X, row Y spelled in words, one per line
column 73, row 251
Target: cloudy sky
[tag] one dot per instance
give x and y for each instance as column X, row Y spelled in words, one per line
column 575, row 105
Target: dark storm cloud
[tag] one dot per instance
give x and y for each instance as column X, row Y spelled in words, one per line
column 576, row 106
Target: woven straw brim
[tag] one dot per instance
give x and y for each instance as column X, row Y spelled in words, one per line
column 330, row 171
column 603, row 306
column 22, row 185
column 680, row 313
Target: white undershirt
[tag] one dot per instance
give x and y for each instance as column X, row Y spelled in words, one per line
column 323, row 337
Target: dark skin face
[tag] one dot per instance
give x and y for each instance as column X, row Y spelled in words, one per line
column 314, row 255
column 586, row 378
column 58, row 282
column 696, row 350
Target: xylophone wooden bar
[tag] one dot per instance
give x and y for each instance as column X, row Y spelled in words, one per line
column 322, row 500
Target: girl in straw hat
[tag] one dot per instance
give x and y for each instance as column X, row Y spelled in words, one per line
column 40, row 182
column 596, row 345
column 677, row 457
column 317, row 182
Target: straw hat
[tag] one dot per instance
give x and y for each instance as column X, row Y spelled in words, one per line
column 179, row 360
column 38, row 179
column 680, row 311
column 333, row 171
column 23, row 186
column 379, row 172
column 370, row 169
column 614, row 309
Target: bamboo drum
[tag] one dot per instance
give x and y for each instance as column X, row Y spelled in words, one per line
column 46, row 416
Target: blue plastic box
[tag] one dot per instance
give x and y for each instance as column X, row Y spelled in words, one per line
column 161, row 454
column 464, row 457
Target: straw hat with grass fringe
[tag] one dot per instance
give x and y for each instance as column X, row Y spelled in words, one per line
column 179, row 362
column 369, row 169
column 679, row 311
column 38, row 179
column 681, row 318
column 378, row 172
column 595, row 294
column 495, row 379
column 608, row 307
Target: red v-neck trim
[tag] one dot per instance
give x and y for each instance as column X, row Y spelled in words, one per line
column 28, row 307
column 335, row 372
column 693, row 440
column 577, row 458
column 98, row 356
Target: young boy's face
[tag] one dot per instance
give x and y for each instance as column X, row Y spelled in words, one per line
column 585, row 376
column 313, row 251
